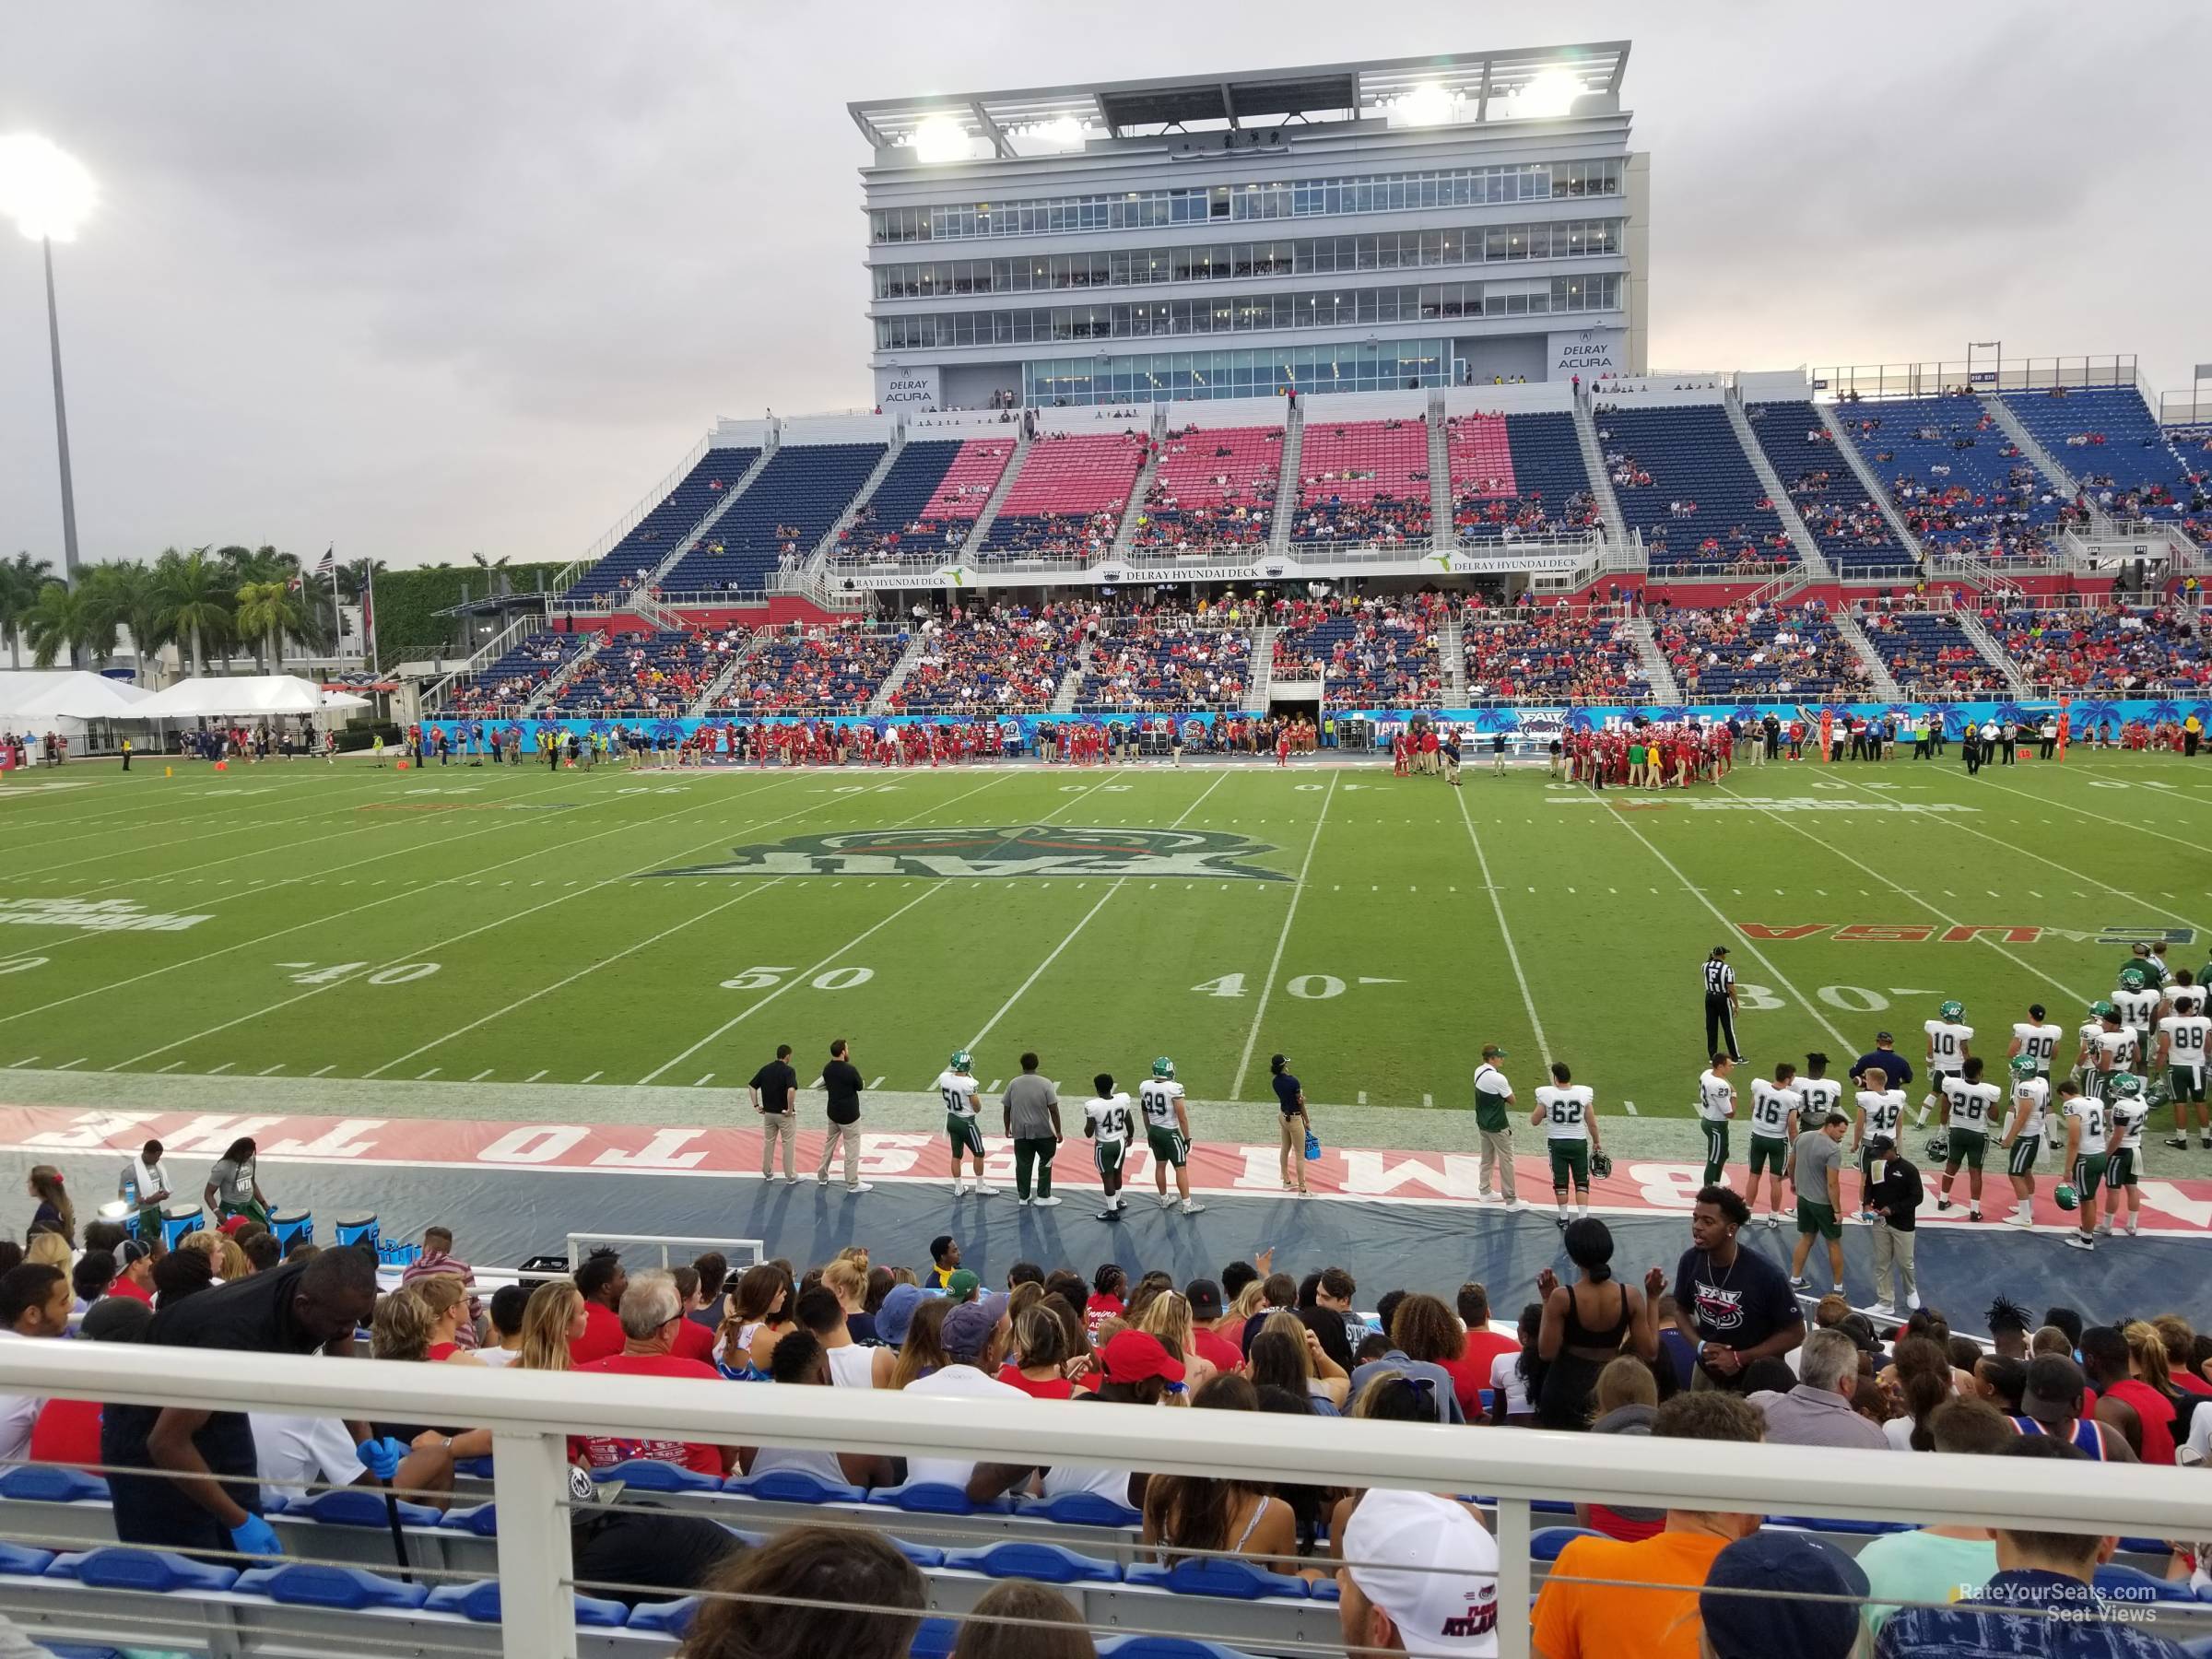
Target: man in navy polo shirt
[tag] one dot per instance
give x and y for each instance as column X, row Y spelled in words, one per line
column 1291, row 1095
column 1894, row 1066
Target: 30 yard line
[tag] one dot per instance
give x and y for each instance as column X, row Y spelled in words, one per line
column 1236, row 1091
column 1482, row 862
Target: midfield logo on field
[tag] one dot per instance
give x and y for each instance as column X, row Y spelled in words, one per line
column 1020, row 850
column 102, row 916
column 2003, row 933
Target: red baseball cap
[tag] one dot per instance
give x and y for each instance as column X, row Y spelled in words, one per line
column 1134, row 1357
column 233, row 1226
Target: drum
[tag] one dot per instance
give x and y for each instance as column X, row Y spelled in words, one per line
column 293, row 1227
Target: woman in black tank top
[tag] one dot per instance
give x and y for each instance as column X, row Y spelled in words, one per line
column 1586, row 1325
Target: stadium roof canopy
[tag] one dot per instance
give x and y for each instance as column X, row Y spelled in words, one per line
column 1477, row 85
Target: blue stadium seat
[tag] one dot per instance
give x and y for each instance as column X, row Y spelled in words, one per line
column 115, row 1566
column 1232, row 1580
column 1691, row 458
column 20, row 1561
column 303, row 1584
column 789, row 507
column 793, row 1486
column 657, row 534
column 479, row 1468
column 482, row 1520
column 479, row 1602
column 1929, row 655
column 2145, row 1546
column 1848, row 525
column 935, row 1639
column 1166, row 1647
column 1546, row 1542
column 1829, row 1524
column 74, row 1650
column 929, row 1498
column 359, row 1506
column 1323, row 1590
column 1549, row 490
column 668, row 1617
column 50, row 1483
column 1081, row 1509
column 654, row 1475
column 2136, row 1587
column 925, row 1555
column 1954, row 474
column 2108, row 433
column 1046, row 1563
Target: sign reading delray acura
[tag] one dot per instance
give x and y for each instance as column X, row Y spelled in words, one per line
column 907, row 388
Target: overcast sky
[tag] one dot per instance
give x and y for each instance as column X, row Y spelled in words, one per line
column 421, row 279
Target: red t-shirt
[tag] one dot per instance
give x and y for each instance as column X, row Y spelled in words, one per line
column 124, row 1287
column 68, row 1431
column 443, row 1350
column 1216, row 1351
column 694, row 1341
column 2188, row 1383
column 1471, row 1372
column 602, row 1452
column 1099, row 1309
column 1049, row 1388
column 601, row 1337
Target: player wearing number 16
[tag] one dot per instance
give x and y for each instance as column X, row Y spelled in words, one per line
column 1566, row 1111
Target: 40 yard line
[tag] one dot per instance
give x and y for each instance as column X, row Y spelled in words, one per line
column 1236, row 1091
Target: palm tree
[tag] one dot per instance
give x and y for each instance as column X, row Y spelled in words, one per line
column 498, row 570
column 19, row 584
column 268, row 611
column 72, row 619
column 129, row 594
column 196, row 601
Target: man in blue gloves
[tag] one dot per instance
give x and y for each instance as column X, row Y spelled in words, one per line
column 200, row 1491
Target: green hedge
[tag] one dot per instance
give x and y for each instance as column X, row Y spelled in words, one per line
column 408, row 626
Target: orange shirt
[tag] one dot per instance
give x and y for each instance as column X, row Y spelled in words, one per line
column 1613, row 1621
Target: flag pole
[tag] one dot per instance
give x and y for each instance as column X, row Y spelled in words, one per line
column 337, row 616
column 369, row 613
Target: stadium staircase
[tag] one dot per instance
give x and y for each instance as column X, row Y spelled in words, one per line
column 1452, row 651
column 2043, row 460
column 1877, row 672
column 1263, row 670
column 556, row 682
column 636, row 600
column 1877, row 491
column 814, row 575
column 980, row 535
column 1601, row 479
column 1444, row 534
column 705, row 700
column 1124, row 534
column 1785, row 509
column 1286, row 486
column 436, row 694
column 1657, row 668
column 881, row 702
column 1071, row 683
column 1993, row 651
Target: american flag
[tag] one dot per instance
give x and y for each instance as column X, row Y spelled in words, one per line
column 329, row 560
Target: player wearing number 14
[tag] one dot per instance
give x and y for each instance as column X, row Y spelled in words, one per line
column 1566, row 1111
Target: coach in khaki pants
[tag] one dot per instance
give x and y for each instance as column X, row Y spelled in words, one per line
column 840, row 1078
column 1897, row 1195
column 775, row 1091
column 1493, row 1117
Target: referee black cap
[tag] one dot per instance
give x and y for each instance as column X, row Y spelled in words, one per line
column 1720, row 950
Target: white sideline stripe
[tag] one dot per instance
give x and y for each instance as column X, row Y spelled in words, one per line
column 1729, row 927
column 1236, row 1091
column 74, row 828
column 1482, row 862
column 368, row 904
column 806, row 974
column 520, row 1002
column 1119, row 882
column 452, row 939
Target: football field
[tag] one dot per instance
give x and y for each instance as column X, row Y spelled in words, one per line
column 670, row 928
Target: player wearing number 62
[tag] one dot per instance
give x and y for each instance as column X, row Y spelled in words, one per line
column 1566, row 1111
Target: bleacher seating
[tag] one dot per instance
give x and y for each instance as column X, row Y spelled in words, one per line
column 1363, row 481
column 789, row 507
column 1929, row 655
column 2107, row 437
column 1140, row 665
column 517, row 674
column 1851, row 529
column 1757, row 652
column 928, row 501
column 656, row 536
column 1212, row 490
column 2127, row 651
column 1068, row 499
column 1955, row 476
column 659, row 672
column 1550, row 655
column 994, row 662
column 821, row 670
column 1682, row 479
column 1516, row 476
column 1378, row 652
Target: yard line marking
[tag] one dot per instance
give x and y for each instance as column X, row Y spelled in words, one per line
column 482, row 1075
column 1629, row 1107
column 1363, row 1097
column 533, row 1077
column 1427, row 1099
column 878, row 1084
column 2138, row 828
column 589, row 967
column 428, row 1075
column 217, row 1072
column 173, row 1065
column 1513, row 954
column 67, row 1065
column 1290, row 916
column 26, row 1060
column 273, row 1070
column 322, row 1072
column 994, row 1085
column 704, row 1082
column 594, row 1075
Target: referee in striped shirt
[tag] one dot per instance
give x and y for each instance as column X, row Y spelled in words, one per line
column 1720, row 1003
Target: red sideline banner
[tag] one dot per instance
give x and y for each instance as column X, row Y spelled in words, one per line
column 1216, row 1167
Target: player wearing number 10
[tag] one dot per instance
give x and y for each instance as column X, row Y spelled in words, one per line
column 1566, row 1111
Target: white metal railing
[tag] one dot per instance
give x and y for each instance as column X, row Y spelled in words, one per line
column 530, row 1414
column 578, row 1241
column 630, row 520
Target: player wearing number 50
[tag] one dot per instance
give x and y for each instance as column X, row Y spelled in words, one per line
column 957, row 1087
column 1566, row 1111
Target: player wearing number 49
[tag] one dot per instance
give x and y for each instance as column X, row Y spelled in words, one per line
column 1566, row 1111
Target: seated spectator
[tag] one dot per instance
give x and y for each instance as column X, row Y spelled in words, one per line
column 973, row 1337
column 179, row 1274
column 447, row 1299
column 1628, row 1601
column 1186, row 1513
column 1929, row 1565
column 1781, row 1592
column 1626, row 1401
column 555, row 1320
column 1049, row 1627
column 651, row 1311
column 1817, row 1411
column 1420, row 1577
column 1424, row 1336
column 759, row 1313
column 800, row 1360
column 600, row 1281
column 34, row 1303
column 1284, row 1353
column 438, row 1258
column 89, row 1279
column 832, row 1591
column 507, row 1304
column 66, row 1432
column 133, row 1272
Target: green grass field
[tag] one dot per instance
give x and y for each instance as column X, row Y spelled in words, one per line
column 516, row 925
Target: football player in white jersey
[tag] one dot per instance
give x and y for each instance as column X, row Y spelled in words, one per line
column 2086, row 1156
column 2125, row 1102
column 2037, row 1037
column 1775, row 1108
column 2184, row 1054
column 957, row 1087
column 1970, row 1110
column 1818, row 1093
column 2113, row 1051
column 1948, row 1037
column 2186, row 995
column 2085, row 1057
column 1880, row 1110
column 2023, row 1140
column 1107, row 1122
column 1566, row 1111
column 1716, row 1105
column 1168, row 1133
column 2138, row 1000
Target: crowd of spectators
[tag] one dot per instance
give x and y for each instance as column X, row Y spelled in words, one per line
column 1211, row 489
column 1372, row 650
column 659, row 674
column 1364, row 482
column 1929, row 653
column 838, row 668
column 1004, row 659
column 1744, row 650
column 1166, row 660
column 1550, row 654
column 2131, row 651
column 515, row 676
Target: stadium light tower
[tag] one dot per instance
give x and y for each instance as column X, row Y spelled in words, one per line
column 48, row 193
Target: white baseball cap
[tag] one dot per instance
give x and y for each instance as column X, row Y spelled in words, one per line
column 1429, row 1564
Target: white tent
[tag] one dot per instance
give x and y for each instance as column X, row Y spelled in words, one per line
column 241, row 694
column 343, row 700
column 68, row 694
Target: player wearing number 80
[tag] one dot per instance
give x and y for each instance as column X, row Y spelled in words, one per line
column 1567, row 1113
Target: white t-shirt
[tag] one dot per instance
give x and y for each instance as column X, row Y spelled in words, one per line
column 1716, row 1097
column 1881, row 1111
column 1567, row 1110
column 17, row 1413
column 1505, row 1373
column 1771, row 1109
column 1946, row 1044
column 2138, row 1008
column 823, row 1466
column 1490, row 1080
column 954, row 1382
column 852, row 1366
column 1109, row 1118
column 1083, row 1477
column 959, row 1091
column 294, row 1451
column 147, row 1179
column 1973, row 1105
column 495, row 1356
column 1156, row 1097
column 2039, row 1042
column 2188, row 1036
column 2036, row 1093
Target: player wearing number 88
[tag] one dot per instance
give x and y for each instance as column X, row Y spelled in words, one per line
column 1566, row 1111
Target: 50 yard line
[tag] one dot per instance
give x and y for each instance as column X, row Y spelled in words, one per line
column 1236, row 1091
